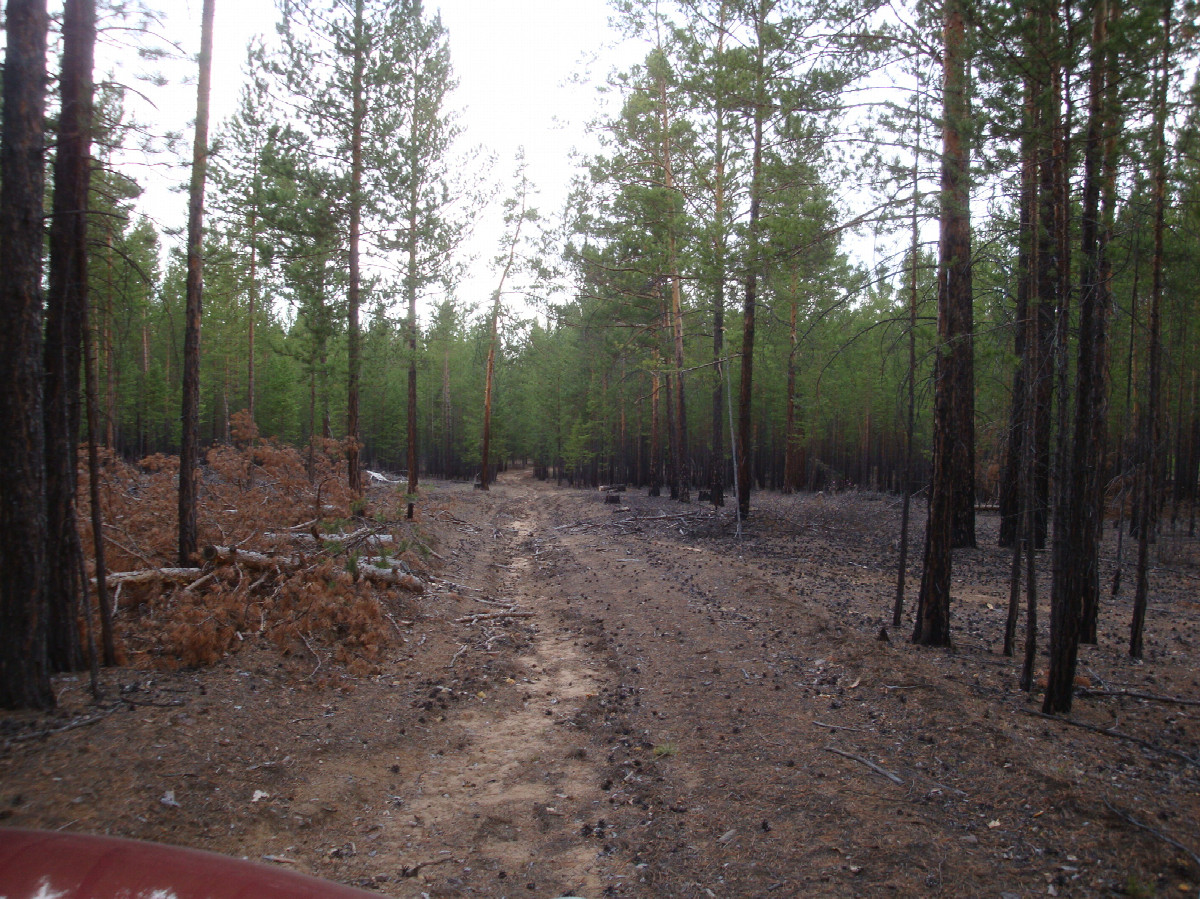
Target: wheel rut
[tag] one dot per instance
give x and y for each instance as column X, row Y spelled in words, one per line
column 512, row 780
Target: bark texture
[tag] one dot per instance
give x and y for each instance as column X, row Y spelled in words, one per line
column 24, row 673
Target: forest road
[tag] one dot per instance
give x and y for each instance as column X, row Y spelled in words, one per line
column 623, row 699
column 503, row 804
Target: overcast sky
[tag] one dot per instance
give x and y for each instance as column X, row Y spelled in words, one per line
column 514, row 59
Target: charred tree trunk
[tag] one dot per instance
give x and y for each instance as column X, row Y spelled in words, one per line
column 1076, row 562
column 750, row 306
column 66, row 308
column 24, row 673
column 1149, row 425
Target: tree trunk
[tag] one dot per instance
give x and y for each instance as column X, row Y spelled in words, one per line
column 911, row 412
column 717, row 474
column 24, row 673
column 353, row 337
column 791, row 439
column 253, row 297
column 410, row 288
column 655, row 440
column 1149, row 425
column 189, row 455
column 680, row 487
column 750, row 305
column 1076, row 570
column 484, row 479
column 107, row 639
column 955, row 270
column 65, row 311
column 948, row 522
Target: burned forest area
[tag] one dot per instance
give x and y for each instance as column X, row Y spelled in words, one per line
column 557, row 695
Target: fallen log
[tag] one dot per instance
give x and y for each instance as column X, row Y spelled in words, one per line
column 152, row 575
column 256, row 561
column 376, row 574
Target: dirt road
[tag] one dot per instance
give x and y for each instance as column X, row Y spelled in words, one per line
column 622, row 700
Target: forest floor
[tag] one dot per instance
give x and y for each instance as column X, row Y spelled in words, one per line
column 671, row 712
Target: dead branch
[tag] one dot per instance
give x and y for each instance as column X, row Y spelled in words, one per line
column 1120, row 735
column 376, row 574
column 1170, row 841
column 840, row 727
column 72, row 725
column 492, row 616
column 894, row 778
column 154, row 575
column 1133, row 694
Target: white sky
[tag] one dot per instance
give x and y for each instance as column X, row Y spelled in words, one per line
column 513, row 60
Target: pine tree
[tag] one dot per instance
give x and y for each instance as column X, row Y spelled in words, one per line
column 24, row 672
column 189, row 456
column 66, row 306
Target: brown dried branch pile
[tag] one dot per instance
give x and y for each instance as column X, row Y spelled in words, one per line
column 290, row 557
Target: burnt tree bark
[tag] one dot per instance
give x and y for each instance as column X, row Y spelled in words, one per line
column 1076, row 554
column 1149, row 426
column 66, row 306
column 24, row 672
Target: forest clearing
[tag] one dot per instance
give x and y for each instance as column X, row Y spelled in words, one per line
column 667, row 711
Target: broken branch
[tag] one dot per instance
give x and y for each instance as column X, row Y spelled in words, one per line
column 894, row 778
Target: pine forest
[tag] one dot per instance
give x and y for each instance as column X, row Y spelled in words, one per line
column 806, row 502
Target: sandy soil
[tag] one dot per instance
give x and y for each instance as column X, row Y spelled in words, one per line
column 670, row 712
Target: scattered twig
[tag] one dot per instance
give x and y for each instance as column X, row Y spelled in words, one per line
column 395, row 623
column 890, row 687
column 150, row 704
column 1120, row 735
column 840, row 727
column 127, row 549
column 314, row 652
column 281, row 860
column 1171, row 841
column 894, row 778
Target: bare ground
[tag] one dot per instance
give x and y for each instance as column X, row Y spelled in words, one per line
column 672, row 712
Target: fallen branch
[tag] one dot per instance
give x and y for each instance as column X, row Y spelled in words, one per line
column 79, row 722
column 840, row 727
column 1170, row 841
column 1120, row 735
column 492, row 616
column 153, row 575
column 894, row 778
column 1132, row 694
column 376, row 574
